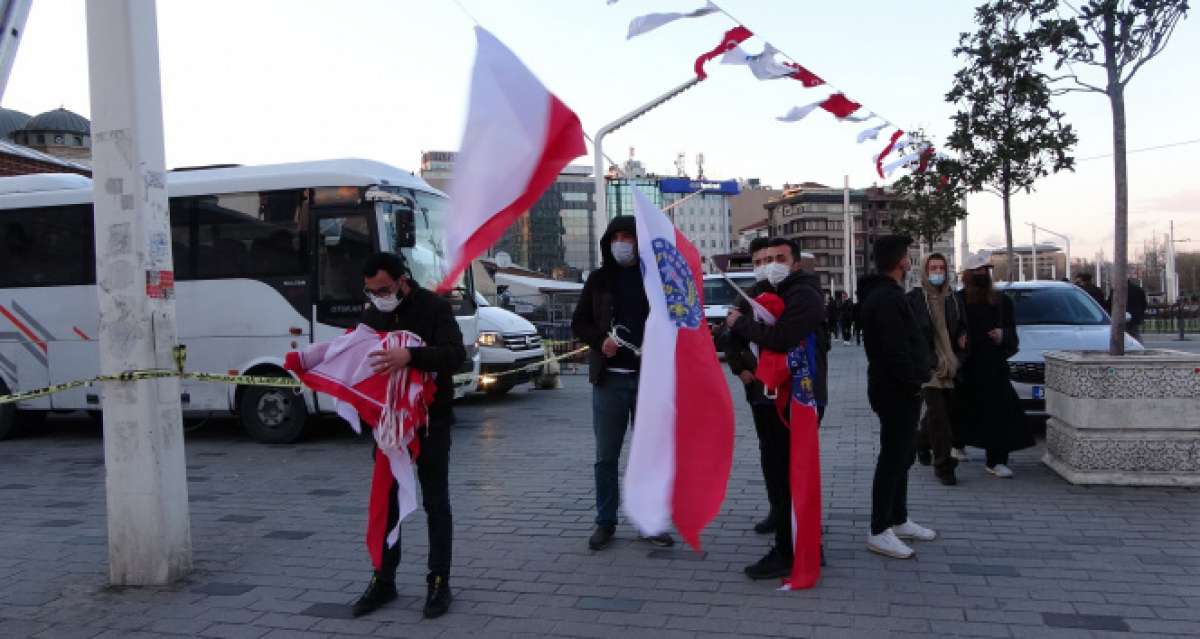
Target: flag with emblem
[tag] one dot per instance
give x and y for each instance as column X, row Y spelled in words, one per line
column 682, row 448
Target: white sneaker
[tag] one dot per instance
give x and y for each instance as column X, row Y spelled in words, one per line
column 888, row 544
column 960, row 454
column 911, row 530
column 1001, row 471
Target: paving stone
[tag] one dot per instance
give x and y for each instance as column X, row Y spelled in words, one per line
column 984, row 570
column 1085, row 622
column 242, row 519
column 223, row 589
column 293, row 535
column 329, row 611
column 610, row 603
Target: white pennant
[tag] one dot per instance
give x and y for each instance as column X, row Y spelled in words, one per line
column 764, row 66
column 652, row 21
column 799, row 113
column 900, row 142
column 911, row 158
column 854, row 118
column 871, row 133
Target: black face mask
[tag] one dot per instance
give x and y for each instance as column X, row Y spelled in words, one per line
column 981, row 279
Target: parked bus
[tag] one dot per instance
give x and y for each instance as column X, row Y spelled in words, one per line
column 267, row 259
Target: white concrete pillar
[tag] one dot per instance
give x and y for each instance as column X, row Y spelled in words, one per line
column 149, row 537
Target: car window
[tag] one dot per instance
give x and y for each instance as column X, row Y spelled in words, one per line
column 1065, row 306
column 718, row 292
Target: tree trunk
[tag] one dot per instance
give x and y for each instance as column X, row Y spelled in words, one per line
column 1006, row 197
column 1120, row 279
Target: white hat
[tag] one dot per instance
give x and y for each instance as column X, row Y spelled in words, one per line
column 977, row 260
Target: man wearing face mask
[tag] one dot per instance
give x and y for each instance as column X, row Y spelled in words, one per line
column 938, row 313
column 397, row 303
column 898, row 365
column 610, row 318
column 803, row 315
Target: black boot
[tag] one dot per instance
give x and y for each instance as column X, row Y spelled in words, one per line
column 380, row 591
column 773, row 566
column 925, row 456
column 437, row 597
column 767, row 525
column 601, row 537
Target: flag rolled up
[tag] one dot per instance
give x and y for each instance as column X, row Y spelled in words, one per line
column 682, row 448
column 517, row 138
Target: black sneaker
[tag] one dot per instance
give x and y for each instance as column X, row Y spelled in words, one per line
column 601, row 538
column 948, row 479
column 925, row 456
column 663, row 541
column 437, row 596
column 773, row 566
column 766, row 526
column 379, row 592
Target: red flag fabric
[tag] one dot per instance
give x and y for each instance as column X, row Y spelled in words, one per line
column 808, row 78
column 804, row 469
column 886, row 150
column 926, row 156
column 839, row 105
column 733, row 37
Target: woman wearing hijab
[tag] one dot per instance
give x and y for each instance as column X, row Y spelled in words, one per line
column 990, row 411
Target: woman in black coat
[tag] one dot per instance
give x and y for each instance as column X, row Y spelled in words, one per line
column 990, row 411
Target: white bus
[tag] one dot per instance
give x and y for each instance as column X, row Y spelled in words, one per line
column 267, row 259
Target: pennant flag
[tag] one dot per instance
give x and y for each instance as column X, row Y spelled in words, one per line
column 903, row 161
column 856, row 119
column 926, row 154
column 841, row 106
column 732, row 38
column 886, row 150
column 799, row 113
column 765, row 66
column 871, row 133
column 517, row 138
column 806, row 77
column 682, row 448
column 652, row 21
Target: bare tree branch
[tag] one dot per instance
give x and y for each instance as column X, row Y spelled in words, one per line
column 1080, row 87
column 1157, row 46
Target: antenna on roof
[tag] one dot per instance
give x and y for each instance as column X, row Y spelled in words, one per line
column 700, row 166
column 680, row 165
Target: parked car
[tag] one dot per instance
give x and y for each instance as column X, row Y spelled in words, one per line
column 1052, row 316
column 506, row 342
column 719, row 296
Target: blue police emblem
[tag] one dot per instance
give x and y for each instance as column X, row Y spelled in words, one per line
column 679, row 285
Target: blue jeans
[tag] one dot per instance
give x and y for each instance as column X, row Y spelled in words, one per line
column 613, row 402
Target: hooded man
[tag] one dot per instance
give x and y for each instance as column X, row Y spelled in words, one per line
column 803, row 315
column 898, row 366
column 611, row 319
column 938, row 313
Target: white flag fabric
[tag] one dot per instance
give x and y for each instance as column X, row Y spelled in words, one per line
column 652, row 21
column 800, row 112
column 853, row 118
column 871, row 133
column 763, row 65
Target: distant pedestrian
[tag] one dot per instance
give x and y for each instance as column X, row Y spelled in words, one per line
column 857, row 315
column 898, row 365
column 938, row 313
column 610, row 317
column 846, row 318
column 990, row 411
column 1084, row 281
column 1135, row 305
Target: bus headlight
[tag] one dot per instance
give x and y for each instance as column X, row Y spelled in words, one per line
column 488, row 338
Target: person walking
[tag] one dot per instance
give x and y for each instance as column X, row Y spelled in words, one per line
column 610, row 318
column 898, row 365
column 938, row 314
column 1135, row 305
column 1084, row 281
column 990, row 411
column 846, row 318
column 802, row 316
column 399, row 303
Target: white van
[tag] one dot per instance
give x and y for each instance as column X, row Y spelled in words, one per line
column 267, row 259
column 719, row 296
column 507, row 342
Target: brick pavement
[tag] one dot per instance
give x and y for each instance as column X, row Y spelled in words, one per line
column 277, row 543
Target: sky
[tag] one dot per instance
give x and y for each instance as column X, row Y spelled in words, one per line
column 260, row 81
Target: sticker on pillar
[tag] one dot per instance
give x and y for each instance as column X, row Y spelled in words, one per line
column 160, row 284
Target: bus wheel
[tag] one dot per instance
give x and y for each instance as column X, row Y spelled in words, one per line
column 273, row 415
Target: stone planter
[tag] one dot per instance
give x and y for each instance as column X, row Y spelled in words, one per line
column 1132, row 420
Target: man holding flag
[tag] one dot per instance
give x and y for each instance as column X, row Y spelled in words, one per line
column 794, row 334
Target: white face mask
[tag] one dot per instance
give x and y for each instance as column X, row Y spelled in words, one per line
column 385, row 304
column 777, row 272
column 623, row 252
column 760, row 273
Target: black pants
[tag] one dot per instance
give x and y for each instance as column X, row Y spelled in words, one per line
column 897, row 450
column 433, row 470
column 774, row 446
column 937, row 429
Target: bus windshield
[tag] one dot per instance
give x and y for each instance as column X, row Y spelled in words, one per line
column 427, row 258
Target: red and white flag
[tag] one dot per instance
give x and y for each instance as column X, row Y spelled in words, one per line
column 517, row 138
column 731, row 39
column 682, row 448
column 837, row 104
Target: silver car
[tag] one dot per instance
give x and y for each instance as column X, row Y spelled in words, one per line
column 1052, row 316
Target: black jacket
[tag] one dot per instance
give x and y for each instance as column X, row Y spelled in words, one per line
column 898, row 356
column 1135, row 304
column 803, row 314
column 431, row 317
column 955, row 322
column 593, row 316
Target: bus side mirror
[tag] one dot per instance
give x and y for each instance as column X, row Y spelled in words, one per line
column 406, row 228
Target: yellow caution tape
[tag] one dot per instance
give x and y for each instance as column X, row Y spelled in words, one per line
column 180, row 355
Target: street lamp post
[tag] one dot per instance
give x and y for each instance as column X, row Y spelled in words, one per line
column 598, row 144
column 1067, row 241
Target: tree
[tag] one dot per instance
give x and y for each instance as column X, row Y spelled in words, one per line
column 933, row 200
column 1006, row 132
column 1116, row 38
